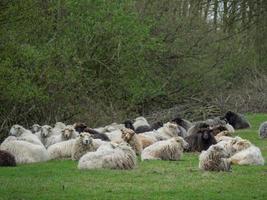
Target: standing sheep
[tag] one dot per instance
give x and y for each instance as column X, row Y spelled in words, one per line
column 109, row 156
column 171, row 149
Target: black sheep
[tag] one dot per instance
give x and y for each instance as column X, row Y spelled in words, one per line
column 7, row 159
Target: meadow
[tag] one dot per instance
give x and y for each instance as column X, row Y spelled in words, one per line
column 150, row 180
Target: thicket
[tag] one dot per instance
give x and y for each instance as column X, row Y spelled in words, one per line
column 107, row 60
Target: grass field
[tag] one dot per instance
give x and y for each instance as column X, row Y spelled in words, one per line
column 150, row 180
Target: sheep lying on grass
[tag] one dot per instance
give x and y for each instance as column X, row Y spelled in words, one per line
column 7, row 159
column 24, row 152
column 129, row 136
column 66, row 134
column 201, row 137
column 45, row 132
column 23, row 134
column 214, row 159
column 73, row 148
column 247, row 154
column 109, row 156
column 171, row 149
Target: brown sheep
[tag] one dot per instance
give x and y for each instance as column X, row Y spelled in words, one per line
column 129, row 136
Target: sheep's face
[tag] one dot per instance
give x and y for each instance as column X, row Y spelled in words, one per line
column 16, row 130
column 68, row 132
column 206, row 134
column 182, row 142
column 35, row 128
column 241, row 145
column 173, row 127
column 127, row 134
column 46, row 131
column 79, row 127
column 85, row 138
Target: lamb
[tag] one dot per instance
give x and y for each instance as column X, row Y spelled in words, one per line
column 7, row 159
column 214, row 159
column 247, row 154
column 201, row 137
column 263, row 130
column 109, row 156
column 67, row 133
column 23, row 151
column 129, row 136
column 237, row 120
column 171, row 149
column 23, row 134
column 83, row 144
column 35, row 128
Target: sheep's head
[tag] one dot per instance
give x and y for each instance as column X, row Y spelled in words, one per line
column 46, row 131
column 127, row 134
column 128, row 124
column 85, row 138
column 182, row 142
column 35, row 128
column 16, row 130
column 206, row 134
column 79, row 127
column 68, row 132
column 241, row 145
column 173, row 127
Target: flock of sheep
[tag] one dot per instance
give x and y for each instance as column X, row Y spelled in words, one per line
column 117, row 146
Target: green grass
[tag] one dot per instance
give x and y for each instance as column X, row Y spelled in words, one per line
column 150, row 180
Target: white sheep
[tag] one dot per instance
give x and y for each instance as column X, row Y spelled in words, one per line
column 83, row 144
column 168, row 131
column 24, row 152
column 214, row 159
column 61, row 150
column 114, row 135
column 45, row 132
column 109, row 156
column 247, row 154
column 171, row 149
column 140, row 121
column 23, row 134
column 67, row 133
column 35, row 128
